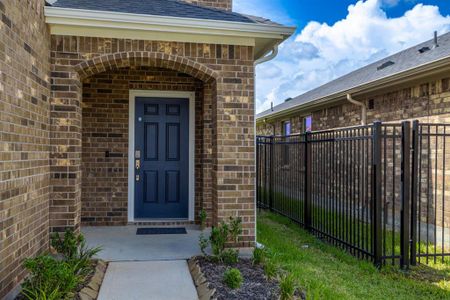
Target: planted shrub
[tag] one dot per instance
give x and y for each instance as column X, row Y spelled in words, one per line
column 220, row 235
column 59, row 277
column 75, row 251
column 259, row 256
column 233, row 278
column 287, row 287
column 50, row 278
column 230, row 256
column 203, row 215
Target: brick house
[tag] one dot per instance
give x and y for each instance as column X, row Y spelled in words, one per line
column 114, row 112
column 412, row 84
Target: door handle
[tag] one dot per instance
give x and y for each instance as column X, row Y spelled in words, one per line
column 137, row 177
column 138, row 164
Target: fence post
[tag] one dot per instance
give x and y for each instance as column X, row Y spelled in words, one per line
column 414, row 192
column 376, row 194
column 405, row 194
column 271, row 172
column 307, row 188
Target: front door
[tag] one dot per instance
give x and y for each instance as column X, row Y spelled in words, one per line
column 161, row 158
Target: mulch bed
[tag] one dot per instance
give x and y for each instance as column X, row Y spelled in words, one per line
column 255, row 286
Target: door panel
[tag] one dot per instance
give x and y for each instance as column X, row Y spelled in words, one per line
column 151, row 141
column 162, row 174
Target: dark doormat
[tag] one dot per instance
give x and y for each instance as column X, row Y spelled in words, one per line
column 155, row 230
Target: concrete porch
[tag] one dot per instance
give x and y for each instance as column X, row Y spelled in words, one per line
column 120, row 243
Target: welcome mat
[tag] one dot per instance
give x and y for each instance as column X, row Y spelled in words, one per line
column 155, row 230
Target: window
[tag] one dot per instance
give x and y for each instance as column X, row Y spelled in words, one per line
column 308, row 123
column 286, row 132
column 287, row 128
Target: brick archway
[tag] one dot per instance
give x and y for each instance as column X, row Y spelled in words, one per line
column 229, row 152
column 120, row 60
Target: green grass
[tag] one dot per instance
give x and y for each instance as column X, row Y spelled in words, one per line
column 326, row 272
column 338, row 223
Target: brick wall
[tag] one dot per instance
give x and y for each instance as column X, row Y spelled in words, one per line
column 24, row 137
column 229, row 153
column 221, row 4
column 427, row 100
column 105, row 128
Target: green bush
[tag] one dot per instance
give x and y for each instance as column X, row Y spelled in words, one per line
column 202, row 215
column 287, row 287
column 259, row 256
column 230, row 256
column 233, row 278
column 61, row 276
column 220, row 235
column 51, row 278
column 75, row 251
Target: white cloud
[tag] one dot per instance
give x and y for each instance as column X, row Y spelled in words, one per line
column 321, row 52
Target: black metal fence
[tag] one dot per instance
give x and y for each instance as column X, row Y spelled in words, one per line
column 378, row 191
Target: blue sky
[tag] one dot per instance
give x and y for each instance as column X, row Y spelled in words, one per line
column 335, row 37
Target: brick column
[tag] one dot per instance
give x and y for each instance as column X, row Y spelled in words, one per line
column 65, row 156
column 233, row 140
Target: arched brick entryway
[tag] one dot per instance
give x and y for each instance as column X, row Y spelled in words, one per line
column 231, row 125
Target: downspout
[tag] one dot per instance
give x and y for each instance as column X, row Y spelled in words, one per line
column 363, row 109
column 263, row 59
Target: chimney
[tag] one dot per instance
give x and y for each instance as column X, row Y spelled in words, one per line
column 435, row 40
column 219, row 4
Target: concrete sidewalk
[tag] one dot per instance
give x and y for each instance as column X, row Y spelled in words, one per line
column 120, row 243
column 152, row 280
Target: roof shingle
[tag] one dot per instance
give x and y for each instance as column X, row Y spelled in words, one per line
column 171, row 8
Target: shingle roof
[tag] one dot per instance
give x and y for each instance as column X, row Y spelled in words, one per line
column 171, row 8
column 402, row 61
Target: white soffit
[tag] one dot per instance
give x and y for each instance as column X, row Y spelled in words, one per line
column 79, row 22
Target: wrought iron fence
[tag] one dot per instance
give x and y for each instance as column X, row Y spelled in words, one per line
column 379, row 191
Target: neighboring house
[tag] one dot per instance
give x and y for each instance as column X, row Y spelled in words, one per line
column 122, row 111
column 412, row 84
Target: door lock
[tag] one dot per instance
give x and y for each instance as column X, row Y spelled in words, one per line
column 138, row 164
column 137, row 177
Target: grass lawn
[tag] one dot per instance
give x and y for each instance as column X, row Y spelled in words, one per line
column 326, row 272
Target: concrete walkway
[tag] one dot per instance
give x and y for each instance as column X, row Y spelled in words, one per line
column 120, row 243
column 152, row 280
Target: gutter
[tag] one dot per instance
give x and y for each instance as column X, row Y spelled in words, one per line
column 267, row 58
column 418, row 72
column 363, row 109
column 83, row 17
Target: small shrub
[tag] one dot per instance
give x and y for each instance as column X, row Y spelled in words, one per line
column 235, row 228
column 75, row 251
column 230, row 256
column 220, row 235
column 270, row 269
column 218, row 239
column 287, row 287
column 51, row 278
column 233, row 278
column 203, row 215
column 259, row 256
